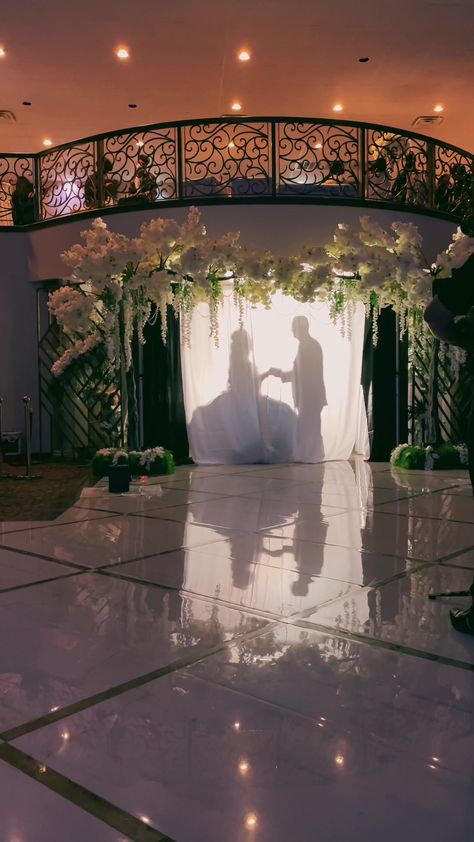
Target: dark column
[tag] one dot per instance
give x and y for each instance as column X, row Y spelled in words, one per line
column 381, row 367
column 163, row 406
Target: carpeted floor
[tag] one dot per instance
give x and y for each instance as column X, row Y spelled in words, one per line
column 41, row 499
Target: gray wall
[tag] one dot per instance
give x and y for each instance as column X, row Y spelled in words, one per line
column 28, row 258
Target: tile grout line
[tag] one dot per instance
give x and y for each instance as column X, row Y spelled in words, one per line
column 50, row 718
column 382, row 644
column 51, row 524
column 41, row 582
column 83, row 798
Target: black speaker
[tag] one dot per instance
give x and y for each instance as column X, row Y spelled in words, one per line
column 119, row 479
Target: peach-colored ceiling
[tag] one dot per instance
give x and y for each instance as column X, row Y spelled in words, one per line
column 60, row 56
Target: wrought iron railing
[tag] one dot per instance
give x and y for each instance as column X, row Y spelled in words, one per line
column 249, row 159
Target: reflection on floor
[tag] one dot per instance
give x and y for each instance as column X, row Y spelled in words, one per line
column 241, row 654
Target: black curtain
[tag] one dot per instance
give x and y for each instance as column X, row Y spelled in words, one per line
column 379, row 378
column 163, row 406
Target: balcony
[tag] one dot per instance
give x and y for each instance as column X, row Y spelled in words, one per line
column 224, row 160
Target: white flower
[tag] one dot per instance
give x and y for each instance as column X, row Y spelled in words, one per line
column 397, row 452
column 72, row 308
column 82, row 346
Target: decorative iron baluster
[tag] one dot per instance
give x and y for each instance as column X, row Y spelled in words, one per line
column 318, row 159
column 453, row 181
column 154, row 177
column 12, row 169
column 227, row 159
column 397, row 168
column 68, row 176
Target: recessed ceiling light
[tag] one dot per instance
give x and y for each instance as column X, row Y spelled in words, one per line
column 318, row 145
column 337, row 107
column 251, row 821
column 139, row 143
column 236, row 106
column 122, row 53
column 244, row 55
column 438, row 108
column 47, row 142
column 231, row 145
column 2, row 52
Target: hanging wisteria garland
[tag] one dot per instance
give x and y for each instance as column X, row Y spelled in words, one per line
column 119, row 284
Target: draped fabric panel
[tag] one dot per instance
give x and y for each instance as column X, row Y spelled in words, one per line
column 163, row 408
column 281, row 385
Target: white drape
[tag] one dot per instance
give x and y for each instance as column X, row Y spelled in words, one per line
column 283, row 384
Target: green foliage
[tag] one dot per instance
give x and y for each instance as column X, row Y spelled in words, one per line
column 445, row 456
column 153, row 462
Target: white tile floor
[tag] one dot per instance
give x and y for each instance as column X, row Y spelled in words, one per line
column 240, row 654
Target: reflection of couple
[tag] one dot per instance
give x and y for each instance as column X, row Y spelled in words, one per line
column 309, row 393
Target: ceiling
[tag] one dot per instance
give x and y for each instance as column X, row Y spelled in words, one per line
column 183, row 64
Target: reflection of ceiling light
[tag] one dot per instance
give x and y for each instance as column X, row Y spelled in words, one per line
column 2, row 52
column 236, row 726
column 65, row 735
column 438, row 108
column 122, row 53
column 47, row 142
column 244, row 767
column 244, row 55
column 140, row 143
column 231, row 145
column 337, row 107
column 339, row 760
column 236, row 106
column 318, row 145
column 145, row 819
column 250, row 821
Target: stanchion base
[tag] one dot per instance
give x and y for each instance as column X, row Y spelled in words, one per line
column 29, row 476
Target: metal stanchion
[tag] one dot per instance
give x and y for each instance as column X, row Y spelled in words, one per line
column 2, row 455
column 28, row 432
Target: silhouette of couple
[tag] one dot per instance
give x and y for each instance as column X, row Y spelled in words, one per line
column 248, row 427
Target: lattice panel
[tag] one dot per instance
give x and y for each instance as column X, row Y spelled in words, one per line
column 449, row 399
column 83, row 410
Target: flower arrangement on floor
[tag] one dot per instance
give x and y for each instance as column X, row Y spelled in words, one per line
column 433, row 457
column 154, row 461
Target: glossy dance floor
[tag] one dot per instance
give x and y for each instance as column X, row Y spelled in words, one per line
column 242, row 654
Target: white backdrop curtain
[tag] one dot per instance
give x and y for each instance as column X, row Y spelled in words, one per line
column 282, row 385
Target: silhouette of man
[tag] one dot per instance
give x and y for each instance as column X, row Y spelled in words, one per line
column 309, row 393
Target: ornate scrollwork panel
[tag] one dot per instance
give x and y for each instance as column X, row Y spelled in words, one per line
column 397, row 168
column 226, row 159
column 318, row 159
column 12, row 169
column 144, row 164
column 453, row 173
column 64, row 174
